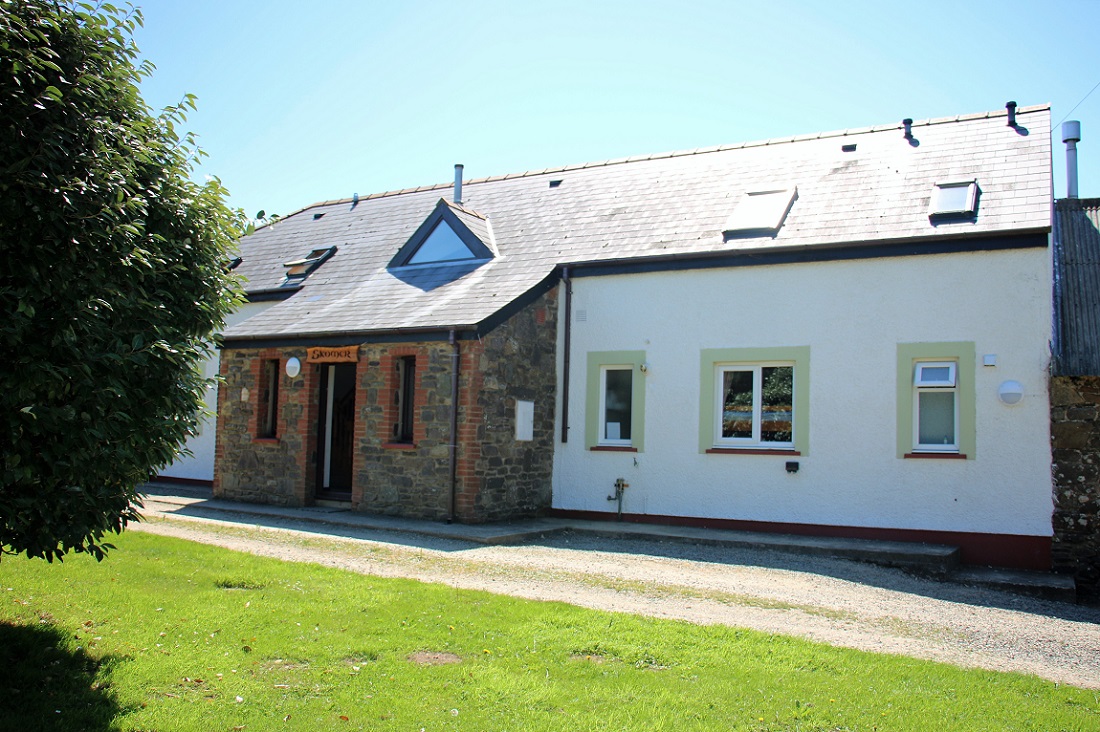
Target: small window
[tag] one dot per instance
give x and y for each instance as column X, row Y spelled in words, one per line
column 935, row 374
column 760, row 211
column 404, row 399
column 616, row 400
column 614, row 405
column 442, row 245
column 755, row 405
column 954, row 199
column 269, row 399
column 935, row 407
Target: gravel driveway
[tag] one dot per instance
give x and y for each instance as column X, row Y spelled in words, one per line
column 834, row 601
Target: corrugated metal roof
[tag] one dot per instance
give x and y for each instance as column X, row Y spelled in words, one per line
column 1077, row 287
column 648, row 206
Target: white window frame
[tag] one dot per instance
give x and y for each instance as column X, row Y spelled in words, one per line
column 922, row 385
column 919, row 379
column 602, row 438
column 754, row 441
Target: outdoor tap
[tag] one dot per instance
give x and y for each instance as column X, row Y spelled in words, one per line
column 620, row 487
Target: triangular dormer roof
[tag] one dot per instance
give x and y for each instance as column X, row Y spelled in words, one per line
column 449, row 234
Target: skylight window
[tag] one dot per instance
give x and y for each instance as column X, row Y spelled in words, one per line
column 442, row 245
column 958, row 198
column 759, row 211
column 298, row 269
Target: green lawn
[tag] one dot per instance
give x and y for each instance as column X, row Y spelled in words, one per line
column 172, row 635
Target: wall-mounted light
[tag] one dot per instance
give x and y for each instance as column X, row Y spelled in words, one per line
column 644, row 368
column 293, row 367
column 1011, row 392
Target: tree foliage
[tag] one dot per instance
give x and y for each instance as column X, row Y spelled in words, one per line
column 112, row 277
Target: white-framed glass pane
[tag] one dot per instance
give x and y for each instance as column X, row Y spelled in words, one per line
column 777, row 404
column 618, row 394
column 442, row 245
column 737, row 404
column 936, row 419
column 949, row 198
column 935, row 374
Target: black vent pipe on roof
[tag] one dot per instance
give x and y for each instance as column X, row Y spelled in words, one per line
column 908, row 122
column 1011, row 108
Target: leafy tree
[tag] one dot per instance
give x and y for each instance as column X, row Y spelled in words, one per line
column 112, row 277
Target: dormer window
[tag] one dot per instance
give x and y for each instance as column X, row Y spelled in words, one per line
column 298, row 269
column 450, row 235
column 760, row 211
column 956, row 198
column 442, row 245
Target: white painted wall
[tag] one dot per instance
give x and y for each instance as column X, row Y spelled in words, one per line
column 200, row 464
column 852, row 315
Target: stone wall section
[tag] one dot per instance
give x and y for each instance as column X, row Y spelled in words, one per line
column 504, row 477
column 278, row 470
column 1075, row 434
column 403, row 479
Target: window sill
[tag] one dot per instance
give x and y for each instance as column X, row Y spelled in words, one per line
column 398, row 445
column 751, row 451
column 265, row 440
column 613, row 448
column 935, row 455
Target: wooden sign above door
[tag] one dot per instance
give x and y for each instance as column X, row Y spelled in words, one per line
column 337, row 354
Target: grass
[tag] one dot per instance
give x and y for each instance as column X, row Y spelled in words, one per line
column 172, row 635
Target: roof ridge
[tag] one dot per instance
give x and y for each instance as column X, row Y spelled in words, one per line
column 787, row 139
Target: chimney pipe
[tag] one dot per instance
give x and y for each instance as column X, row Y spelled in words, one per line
column 1011, row 107
column 1071, row 135
column 908, row 122
column 458, row 183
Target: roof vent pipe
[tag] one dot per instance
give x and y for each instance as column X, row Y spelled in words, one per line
column 908, row 122
column 1071, row 135
column 1011, row 107
column 458, row 183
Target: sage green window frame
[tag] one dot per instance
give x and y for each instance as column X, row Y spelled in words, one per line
column 963, row 354
column 709, row 361
column 596, row 361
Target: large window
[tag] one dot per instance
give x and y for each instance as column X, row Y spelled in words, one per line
column 615, row 401
column 755, row 405
column 754, row 399
column 936, row 400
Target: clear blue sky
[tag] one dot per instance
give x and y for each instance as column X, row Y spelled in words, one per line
column 301, row 102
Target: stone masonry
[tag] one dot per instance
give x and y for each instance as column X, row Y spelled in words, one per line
column 498, row 477
column 1075, row 433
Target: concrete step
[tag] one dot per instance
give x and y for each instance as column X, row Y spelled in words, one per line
column 934, row 559
column 1036, row 584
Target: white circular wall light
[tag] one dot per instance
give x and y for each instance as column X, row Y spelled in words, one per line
column 293, row 367
column 1011, row 392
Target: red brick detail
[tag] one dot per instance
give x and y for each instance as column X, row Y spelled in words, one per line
column 470, row 425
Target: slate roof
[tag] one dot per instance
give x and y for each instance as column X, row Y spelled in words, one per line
column 1076, row 287
column 642, row 207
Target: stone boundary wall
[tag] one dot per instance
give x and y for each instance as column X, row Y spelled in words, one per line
column 1075, row 436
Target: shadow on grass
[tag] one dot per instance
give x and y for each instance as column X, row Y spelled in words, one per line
column 46, row 686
